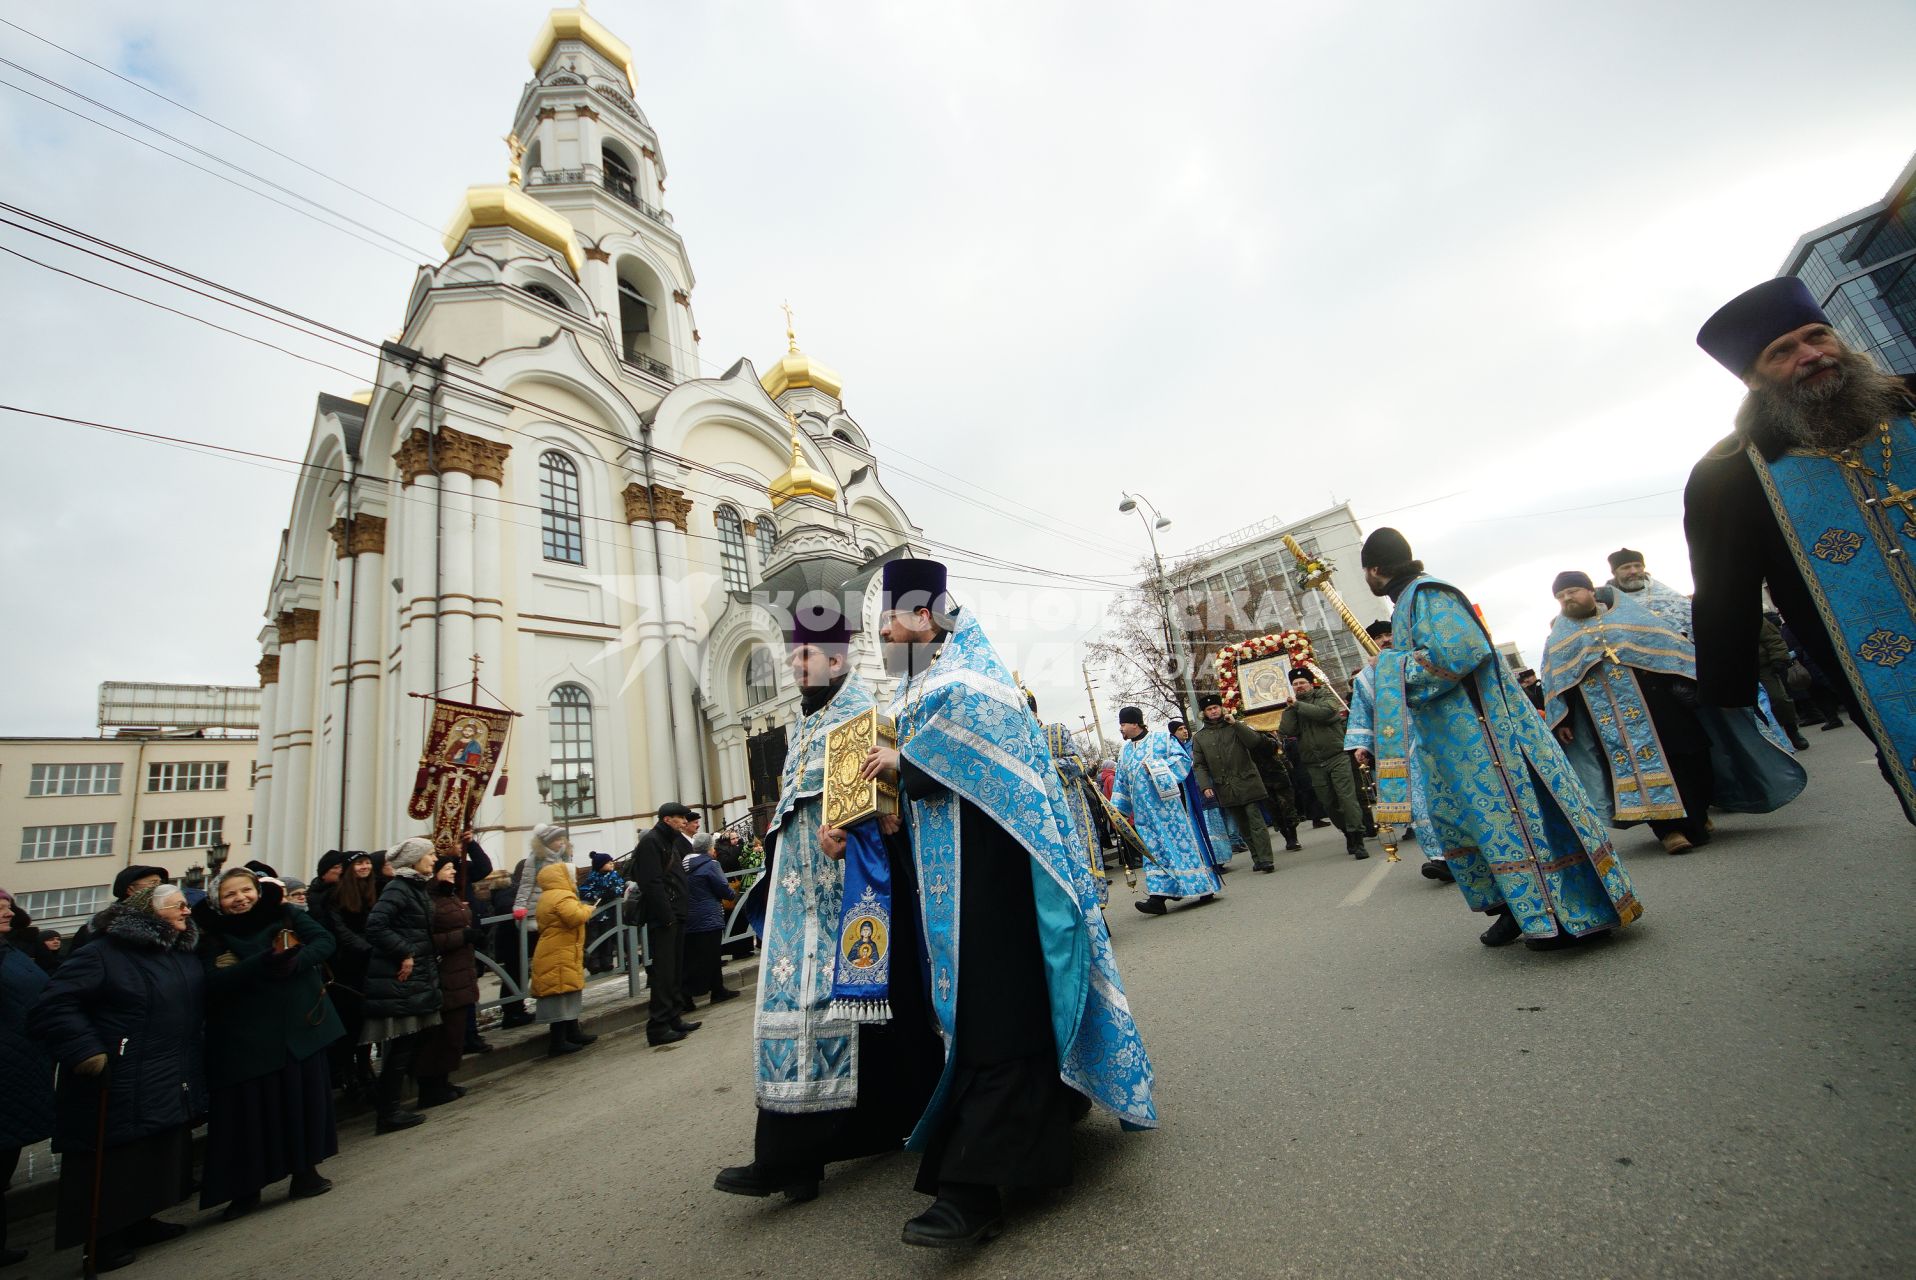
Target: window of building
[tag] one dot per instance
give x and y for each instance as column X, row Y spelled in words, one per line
column 80, row 840
column 559, row 513
column 761, row 677
column 65, row 904
column 572, row 750
column 186, row 775
column 548, row 296
column 618, row 175
column 74, row 780
column 731, row 532
column 635, row 319
column 767, row 536
column 180, row 833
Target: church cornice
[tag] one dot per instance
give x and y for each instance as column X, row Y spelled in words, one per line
column 298, row 624
column 268, row 670
column 660, row 503
column 362, row 535
column 476, row 456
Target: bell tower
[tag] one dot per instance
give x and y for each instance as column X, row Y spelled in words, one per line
column 592, row 157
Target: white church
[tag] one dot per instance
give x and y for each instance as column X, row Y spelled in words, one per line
column 541, row 479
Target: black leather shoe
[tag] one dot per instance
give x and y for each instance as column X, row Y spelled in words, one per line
column 1320, row 822
column 685, row 1028
column 512, row 1020
column 240, row 1207
column 1505, row 931
column 394, row 1121
column 439, row 1096
column 1433, row 870
column 12, row 1257
column 561, row 1047
column 113, row 1257
column 723, row 994
column 949, row 1225
column 1151, row 906
column 667, row 1036
column 755, row 1179
column 153, row 1231
column 1204, row 898
column 307, row 1185
column 1267, row 867
column 1291, row 845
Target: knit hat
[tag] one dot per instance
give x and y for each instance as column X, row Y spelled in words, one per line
column 408, row 853
column 1570, row 578
column 327, row 861
column 1622, row 556
column 599, row 860
column 546, row 833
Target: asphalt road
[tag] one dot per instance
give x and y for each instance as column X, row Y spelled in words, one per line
column 1350, row 1086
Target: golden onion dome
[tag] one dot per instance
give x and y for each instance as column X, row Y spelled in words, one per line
column 799, row 370
column 577, row 24
column 508, row 206
column 799, row 480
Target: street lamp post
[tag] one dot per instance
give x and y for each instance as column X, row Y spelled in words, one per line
column 560, row 795
column 1158, row 520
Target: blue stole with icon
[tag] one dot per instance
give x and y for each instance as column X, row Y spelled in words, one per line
column 1852, row 537
column 861, row 988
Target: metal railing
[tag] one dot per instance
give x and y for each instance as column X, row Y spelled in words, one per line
column 657, row 368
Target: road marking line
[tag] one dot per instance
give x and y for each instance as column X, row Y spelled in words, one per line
column 1367, row 886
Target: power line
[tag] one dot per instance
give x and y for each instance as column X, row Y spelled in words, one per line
column 245, row 137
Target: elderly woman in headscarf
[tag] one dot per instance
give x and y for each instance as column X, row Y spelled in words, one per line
column 549, row 844
column 341, row 905
column 26, row 1073
column 558, row 967
column 122, row 1018
column 268, row 1026
column 453, row 937
column 402, row 978
column 710, row 895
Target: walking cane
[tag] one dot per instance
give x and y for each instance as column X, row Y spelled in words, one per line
column 90, row 1269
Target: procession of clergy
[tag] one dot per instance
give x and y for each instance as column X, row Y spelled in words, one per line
column 946, row 972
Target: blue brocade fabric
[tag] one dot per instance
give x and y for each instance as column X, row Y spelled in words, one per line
column 1072, row 780
column 1360, row 734
column 965, row 723
column 805, row 1060
column 1149, row 790
column 1513, row 821
column 1854, row 549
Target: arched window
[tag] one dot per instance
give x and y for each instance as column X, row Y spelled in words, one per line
column 559, row 508
column 548, row 296
column 767, row 538
column 618, row 176
column 571, row 771
column 761, row 677
column 731, row 534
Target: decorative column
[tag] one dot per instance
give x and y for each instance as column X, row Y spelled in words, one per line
column 600, row 284
column 455, row 582
column 671, row 513
column 363, row 539
column 263, row 754
column 415, row 622
column 299, row 636
column 489, row 527
column 648, row 650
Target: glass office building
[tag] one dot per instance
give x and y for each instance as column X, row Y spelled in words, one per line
column 1862, row 268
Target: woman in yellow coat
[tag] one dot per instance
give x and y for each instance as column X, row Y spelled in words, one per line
column 558, row 966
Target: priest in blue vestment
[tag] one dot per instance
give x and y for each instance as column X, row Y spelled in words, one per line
column 1514, row 824
column 1621, row 689
column 1149, row 790
column 828, row 1088
column 1021, row 978
column 1814, row 498
column 1630, row 580
column 1073, row 781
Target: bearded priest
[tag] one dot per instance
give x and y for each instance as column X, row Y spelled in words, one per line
column 1023, row 985
column 1813, row 496
column 831, row 1083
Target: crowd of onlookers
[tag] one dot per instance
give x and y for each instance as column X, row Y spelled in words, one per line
column 250, row 1007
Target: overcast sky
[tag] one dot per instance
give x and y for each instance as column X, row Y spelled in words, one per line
column 1248, row 259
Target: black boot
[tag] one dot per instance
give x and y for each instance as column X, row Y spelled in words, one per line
column 755, row 1179
column 1354, row 844
column 963, row 1213
column 1153, row 905
column 557, row 1046
column 1504, row 931
column 308, row 1183
column 575, row 1035
column 1290, row 840
column 437, row 1091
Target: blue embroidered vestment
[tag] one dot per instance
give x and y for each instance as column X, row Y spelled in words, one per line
column 1148, row 789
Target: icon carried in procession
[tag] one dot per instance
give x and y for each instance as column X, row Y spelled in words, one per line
column 850, row 798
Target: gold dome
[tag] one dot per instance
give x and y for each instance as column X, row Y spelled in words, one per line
column 799, row 480
column 577, row 24
column 799, row 370
column 508, row 206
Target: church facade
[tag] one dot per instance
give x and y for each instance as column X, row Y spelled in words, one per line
column 542, row 487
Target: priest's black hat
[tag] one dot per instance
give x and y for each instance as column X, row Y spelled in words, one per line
column 818, row 625
column 1131, row 715
column 916, row 584
column 1386, row 549
column 1623, row 556
column 1736, row 335
column 1210, row 700
column 1571, row 578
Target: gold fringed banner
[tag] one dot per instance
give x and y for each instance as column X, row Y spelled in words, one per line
column 463, row 745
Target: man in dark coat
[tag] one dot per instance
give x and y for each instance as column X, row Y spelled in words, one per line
column 1224, row 760
column 1811, row 497
column 131, row 880
column 658, row 868
column 1317, row 719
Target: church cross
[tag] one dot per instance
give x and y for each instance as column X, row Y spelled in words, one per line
column 475, row 678
column 791, row 331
